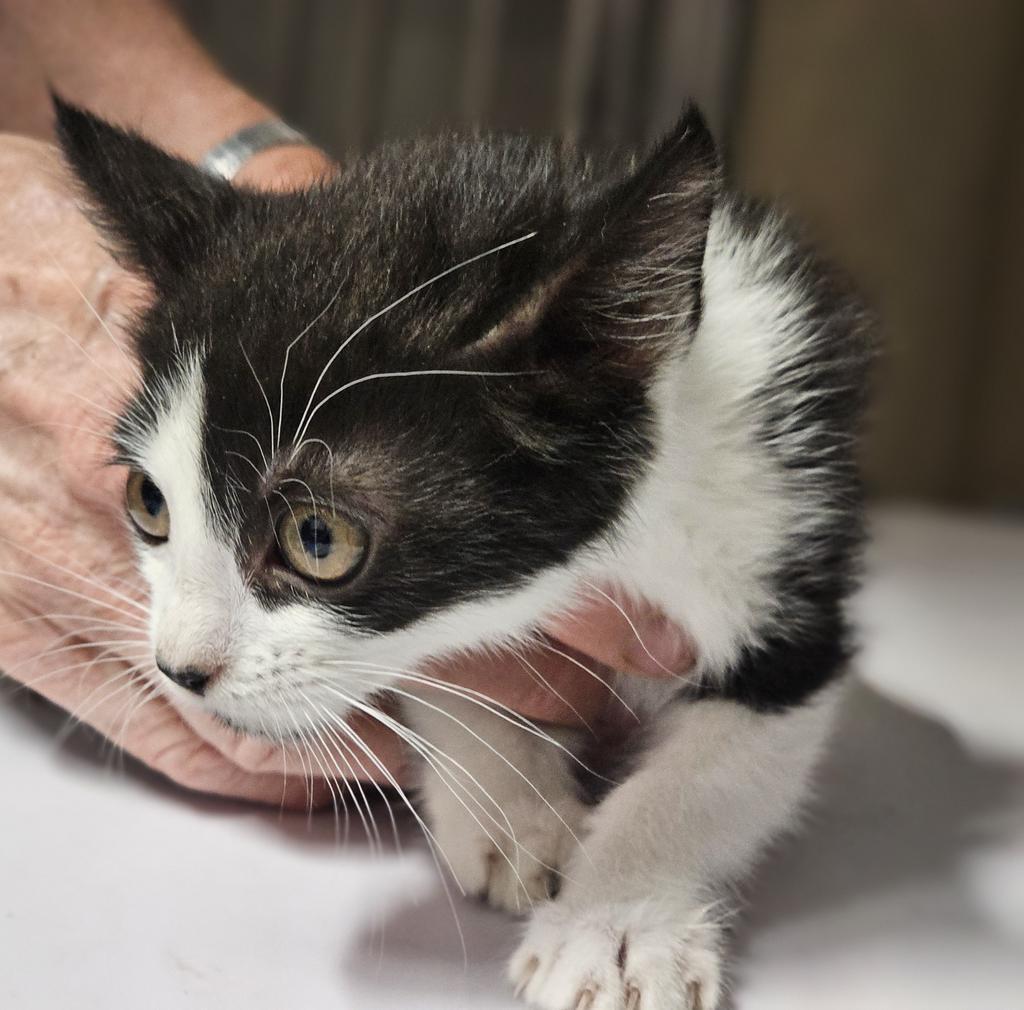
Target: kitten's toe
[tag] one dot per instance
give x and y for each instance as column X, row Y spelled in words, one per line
column 513, row 861
column 626, row 956
column 527, row 869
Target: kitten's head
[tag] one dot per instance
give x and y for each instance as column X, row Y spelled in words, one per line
column 379, row 418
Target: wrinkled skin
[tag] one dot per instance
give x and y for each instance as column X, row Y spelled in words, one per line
column 72, row 609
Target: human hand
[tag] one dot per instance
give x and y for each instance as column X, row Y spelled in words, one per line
column 73, row 622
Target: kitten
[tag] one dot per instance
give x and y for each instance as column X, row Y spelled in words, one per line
column 414, row 410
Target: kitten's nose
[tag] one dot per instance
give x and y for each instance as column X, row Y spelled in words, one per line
column 189, row 677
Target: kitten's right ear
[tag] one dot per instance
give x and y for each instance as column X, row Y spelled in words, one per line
column 160, row 212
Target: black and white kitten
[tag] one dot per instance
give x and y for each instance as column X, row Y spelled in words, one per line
column 414, row 410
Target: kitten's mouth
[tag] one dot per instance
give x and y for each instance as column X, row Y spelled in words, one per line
column 244, row 729
column 279, row 735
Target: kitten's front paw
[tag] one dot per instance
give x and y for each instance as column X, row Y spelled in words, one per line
column 514, row 860
column 630, row 956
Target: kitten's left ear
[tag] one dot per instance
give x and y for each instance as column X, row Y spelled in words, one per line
column 645, row 240
column 629, row 288
column 160, row 211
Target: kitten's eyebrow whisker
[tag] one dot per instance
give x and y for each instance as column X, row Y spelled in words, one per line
column 263, row 393
column 312, row 501
column 395, row 375
column 304, row 420
column 331, row 465
column 249, row 434
column 295, row 521
column 330, row 452
column 287, row 354
column 259, row 476
column 238, row 455
column 302, row 483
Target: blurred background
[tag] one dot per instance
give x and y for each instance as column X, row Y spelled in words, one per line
column 893, row 131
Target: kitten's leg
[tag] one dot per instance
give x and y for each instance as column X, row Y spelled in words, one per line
column 502, row 803
column 635, row 925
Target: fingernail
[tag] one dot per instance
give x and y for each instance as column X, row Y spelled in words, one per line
column 586, row 1000
column 662, row 651
column 528, row 972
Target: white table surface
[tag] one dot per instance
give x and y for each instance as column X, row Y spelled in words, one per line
column 904, row 891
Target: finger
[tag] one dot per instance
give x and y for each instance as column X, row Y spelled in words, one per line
column 105, row 696
column 164, row 742
column 286, row 168
column 544, row 683
column 625, row 635
column 345, row 751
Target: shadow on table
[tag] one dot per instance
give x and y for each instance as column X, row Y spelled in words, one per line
column 900, row 800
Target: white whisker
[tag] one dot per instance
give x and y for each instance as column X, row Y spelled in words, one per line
column 362, row 767
column 398, row 727
column 592, row 673
column 544, row 682
column 632, row 626
column 259, row 445
column 263, row 393
column 394, row 375
column 287, row 355
column 91, row 307
column 369, row 826
column 87, row 579
column 303, row 420
column 478, row 698
column 436, row 851
column 330, row 781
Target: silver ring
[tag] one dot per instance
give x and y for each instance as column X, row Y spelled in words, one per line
column 228, row 157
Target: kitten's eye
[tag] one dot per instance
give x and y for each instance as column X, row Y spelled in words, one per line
column 147, row 507
column 320, row 545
